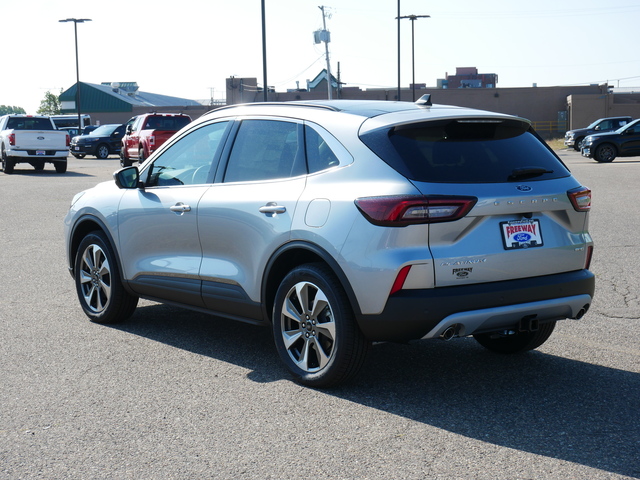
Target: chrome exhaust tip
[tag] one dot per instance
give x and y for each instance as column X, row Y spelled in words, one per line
column 451, row 331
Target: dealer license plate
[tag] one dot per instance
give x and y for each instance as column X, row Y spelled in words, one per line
column 521, row 234
column 41, row 152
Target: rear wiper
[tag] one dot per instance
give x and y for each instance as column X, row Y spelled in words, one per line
column 528, row 172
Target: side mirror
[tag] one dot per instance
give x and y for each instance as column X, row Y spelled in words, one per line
column 129, row 129
column 128, row 177
column 597, row 127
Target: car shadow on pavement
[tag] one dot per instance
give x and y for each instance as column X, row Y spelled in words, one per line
column 30, row 172
column 535, row 402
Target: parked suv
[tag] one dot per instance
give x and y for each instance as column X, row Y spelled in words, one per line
column 339, row 223
column 605, row 147
column 574, row 138
column 101, row 142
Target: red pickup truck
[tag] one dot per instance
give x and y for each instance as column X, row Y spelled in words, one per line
column 145, row 133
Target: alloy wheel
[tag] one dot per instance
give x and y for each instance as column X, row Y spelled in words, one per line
column 308, row 327
column 95, row 278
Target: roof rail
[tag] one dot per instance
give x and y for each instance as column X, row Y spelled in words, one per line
column 280, row 104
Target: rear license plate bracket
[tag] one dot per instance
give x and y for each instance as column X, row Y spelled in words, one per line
column 521, row 234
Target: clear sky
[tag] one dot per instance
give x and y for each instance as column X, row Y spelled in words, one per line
column 187, row 48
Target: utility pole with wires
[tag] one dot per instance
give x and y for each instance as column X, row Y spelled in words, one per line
column 325, row 36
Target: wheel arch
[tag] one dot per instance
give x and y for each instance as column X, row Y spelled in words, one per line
column 611, row 144
column 83, row 227
column 294, row 254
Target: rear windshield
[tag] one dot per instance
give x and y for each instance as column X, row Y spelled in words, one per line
column 166, row 123
column 29, row 123
column 466, row 151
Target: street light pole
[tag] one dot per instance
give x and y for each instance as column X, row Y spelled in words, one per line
column 398, row 19
column 413, row 51
column 76, row 21
column 264, row 54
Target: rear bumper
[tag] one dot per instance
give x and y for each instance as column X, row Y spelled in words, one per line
column 427, row 313
column 46, row 155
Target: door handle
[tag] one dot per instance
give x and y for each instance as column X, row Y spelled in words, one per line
column 180, row 208
column 272, row 208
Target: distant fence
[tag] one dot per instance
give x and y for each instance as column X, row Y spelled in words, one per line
column 550, row 129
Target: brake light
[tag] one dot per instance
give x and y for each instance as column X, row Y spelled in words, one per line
column 68, row 140
column 403, row 210
column 12, row 139
column 152, row 140
column 580, row 198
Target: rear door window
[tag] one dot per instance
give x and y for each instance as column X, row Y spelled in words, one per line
column 265, row 150
column 466, row 151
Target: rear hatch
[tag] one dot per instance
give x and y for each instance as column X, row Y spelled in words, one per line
column 528, row 220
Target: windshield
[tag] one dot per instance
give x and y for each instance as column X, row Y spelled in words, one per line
column 104, row 130
column 627, row 126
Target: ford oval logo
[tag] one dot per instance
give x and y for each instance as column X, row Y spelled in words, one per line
column 522, row 237
column 524, row 188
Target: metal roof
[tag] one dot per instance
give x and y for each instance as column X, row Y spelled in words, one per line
column 109, row 98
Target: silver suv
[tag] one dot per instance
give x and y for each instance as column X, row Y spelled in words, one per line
column 340, row 223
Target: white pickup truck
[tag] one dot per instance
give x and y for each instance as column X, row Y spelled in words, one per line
column 32, row 139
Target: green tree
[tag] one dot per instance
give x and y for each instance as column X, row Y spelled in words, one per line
column 6, row 109
column 50, row 104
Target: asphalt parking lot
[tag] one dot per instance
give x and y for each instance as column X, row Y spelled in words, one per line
column 173, row 394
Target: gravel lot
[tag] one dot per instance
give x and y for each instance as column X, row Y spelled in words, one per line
column 172, row 394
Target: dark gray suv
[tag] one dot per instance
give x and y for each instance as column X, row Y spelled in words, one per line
column 339, row 223
column 574, row 138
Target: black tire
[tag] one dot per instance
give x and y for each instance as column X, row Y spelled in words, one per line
column 61, row 167
column 605, row 153
column 125, row 161
column 577, row 146
column 7, row 163
column 98, row 283
column 314, row 328
column 102, row 151
column 141, row 155
column 516, row 342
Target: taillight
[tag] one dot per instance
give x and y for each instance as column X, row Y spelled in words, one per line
column 12, row 139
column 68, row 140
column 403, row 210
column 152, row 140
column 580, row 198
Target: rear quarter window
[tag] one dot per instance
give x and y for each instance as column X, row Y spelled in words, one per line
column 465, row 151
